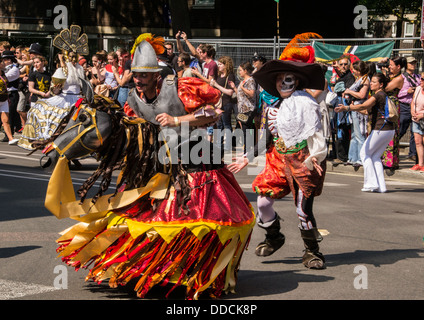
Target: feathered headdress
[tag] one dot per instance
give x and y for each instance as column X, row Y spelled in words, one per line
column 294, row 52
column 156, row 42
column 70, row 40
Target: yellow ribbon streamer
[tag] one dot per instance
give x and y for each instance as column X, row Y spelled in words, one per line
column 100, row 244
column 223, row 260
column 61, row 201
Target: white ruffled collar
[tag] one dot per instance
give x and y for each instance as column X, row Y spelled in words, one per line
column 298, row 118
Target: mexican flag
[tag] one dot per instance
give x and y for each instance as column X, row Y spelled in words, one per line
column 327, row 53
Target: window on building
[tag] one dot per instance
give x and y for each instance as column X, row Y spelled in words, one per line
column 409, row 29
column 209, row 4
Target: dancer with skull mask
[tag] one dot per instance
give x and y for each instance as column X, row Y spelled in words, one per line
column 296, row 148
column 46, row 114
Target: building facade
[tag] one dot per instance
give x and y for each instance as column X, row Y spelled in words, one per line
column 110, row 23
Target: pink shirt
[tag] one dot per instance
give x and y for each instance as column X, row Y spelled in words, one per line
column 419, row 100
column 403, row 95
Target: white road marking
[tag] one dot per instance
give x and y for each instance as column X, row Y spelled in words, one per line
column 22, row 177
column 246, row 185
column 19, row 157
column 16, row 152
column 326, row 184
column 28, row 236
column 15, row 289
column 36, row 157
column 400, row 183
column 334, row 184
column 40, row 177
column 20, row 173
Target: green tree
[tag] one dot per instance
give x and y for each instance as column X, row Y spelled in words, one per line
column 398, row 8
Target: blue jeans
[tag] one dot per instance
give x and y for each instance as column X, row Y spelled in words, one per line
column 225, row 123
column 357, row 139
column 123, row 95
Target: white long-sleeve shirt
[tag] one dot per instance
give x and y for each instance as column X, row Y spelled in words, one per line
column 12, row 73
column 299, row 119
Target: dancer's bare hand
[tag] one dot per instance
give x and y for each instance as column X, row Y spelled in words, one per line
column 165, row 120
column 238, row 165
column 317, row 167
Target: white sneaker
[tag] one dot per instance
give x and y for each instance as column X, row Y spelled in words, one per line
column 13, row 141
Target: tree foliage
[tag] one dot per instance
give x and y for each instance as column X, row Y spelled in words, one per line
column 378, row 9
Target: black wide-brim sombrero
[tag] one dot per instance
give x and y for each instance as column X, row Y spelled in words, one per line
column 310, row 75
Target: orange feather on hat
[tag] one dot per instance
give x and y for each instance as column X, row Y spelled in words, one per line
column 156, row 42
column 295, row 52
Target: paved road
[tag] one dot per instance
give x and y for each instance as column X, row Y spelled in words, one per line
column 374, row 246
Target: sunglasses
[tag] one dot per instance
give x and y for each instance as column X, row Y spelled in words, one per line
column 342, row 64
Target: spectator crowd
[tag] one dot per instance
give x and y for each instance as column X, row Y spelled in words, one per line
column 25, row 74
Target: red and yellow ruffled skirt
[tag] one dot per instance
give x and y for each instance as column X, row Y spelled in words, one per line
column 130, row 238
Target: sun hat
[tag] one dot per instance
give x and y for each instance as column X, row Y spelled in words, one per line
column 310, row 75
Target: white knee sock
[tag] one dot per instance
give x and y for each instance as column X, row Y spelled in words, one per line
column 266, row 212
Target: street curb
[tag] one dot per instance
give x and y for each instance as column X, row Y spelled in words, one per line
column 402, row 174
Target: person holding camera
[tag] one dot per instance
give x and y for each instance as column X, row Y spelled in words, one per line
column 390, row 156
column 357, row 94
column 340, row 121
column 246, row 102
column 410, row 83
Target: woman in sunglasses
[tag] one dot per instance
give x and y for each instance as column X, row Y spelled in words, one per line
column 341, row 122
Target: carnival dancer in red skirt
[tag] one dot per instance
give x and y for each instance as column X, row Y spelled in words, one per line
column 296, row 149
column 191, row 234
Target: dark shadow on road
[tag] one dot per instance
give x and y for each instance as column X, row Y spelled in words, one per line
column 14, row 251
column 158, row 292
column 372, row 257
column 396, row 190
column 265, row 283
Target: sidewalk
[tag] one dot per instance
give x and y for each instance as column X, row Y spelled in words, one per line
column 403, row 173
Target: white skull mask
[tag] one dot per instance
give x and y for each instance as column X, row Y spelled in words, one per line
column 289, row 82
